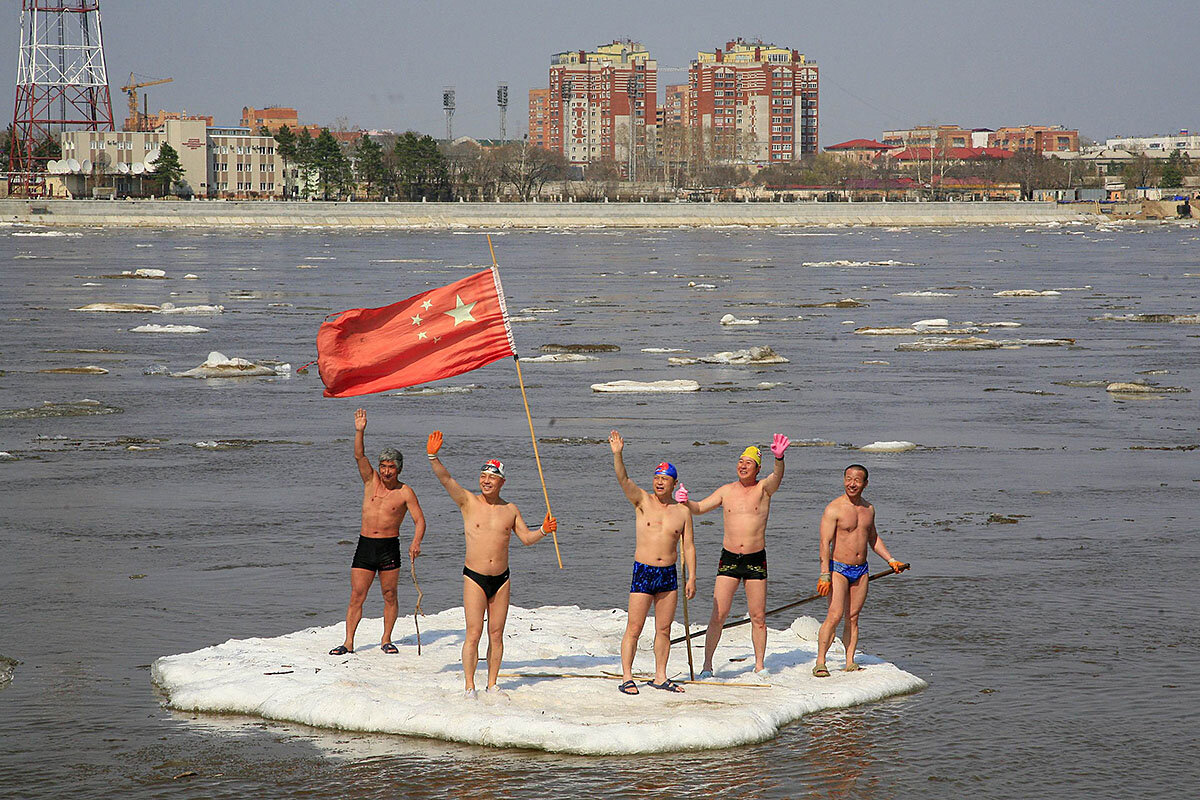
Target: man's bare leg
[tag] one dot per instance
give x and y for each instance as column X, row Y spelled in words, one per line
column 756, row 607
column 664, row 615
column 724, row 588
column 497, row 615
column 388, row 579
column 838, row 602
column 639, row 606
column 858, row 596
column 474, row 605
column 360, row 583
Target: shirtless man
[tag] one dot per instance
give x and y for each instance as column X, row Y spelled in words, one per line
column 661, row 525
column 847, row 533
column 385, row 501
column 747, row 504
column 488, row 522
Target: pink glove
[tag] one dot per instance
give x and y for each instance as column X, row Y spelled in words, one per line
column 681, row 494
column 778, row 444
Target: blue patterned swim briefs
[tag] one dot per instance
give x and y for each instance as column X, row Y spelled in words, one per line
column 852, row 571
column 653, row 580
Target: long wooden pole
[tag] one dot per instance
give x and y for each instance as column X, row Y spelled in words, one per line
column 412, row 568
column 809, row 599
column 528, row 416
column 687, row 626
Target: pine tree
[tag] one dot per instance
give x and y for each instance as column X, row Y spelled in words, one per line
column 368, row 165
column 167, row 170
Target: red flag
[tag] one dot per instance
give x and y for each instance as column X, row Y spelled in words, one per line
column 432, row 335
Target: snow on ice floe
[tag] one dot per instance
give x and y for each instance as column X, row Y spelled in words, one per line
column 52, row 234
column 663, row 350
column 168, row 329
column 291, row 678
column 538, row 310
column 217, row 365
column 119, row 308
column 935, row 343
column 171, row 308
column 90, row 369
column 152, row 274
column 1143, row 388
column 558, row 358
column 1174, row 319
column 925, row 294
column 191, row 277
column 755, row 355
column 1026, row 293
column 708, row 287
column 888, row 447
column 844, row 263
column 646, row 386
column 730, row 319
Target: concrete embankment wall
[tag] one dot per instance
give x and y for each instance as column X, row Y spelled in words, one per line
column 162, row 213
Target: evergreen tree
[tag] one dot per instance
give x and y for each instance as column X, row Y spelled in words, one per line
column 285, row 143
column 332, row 163
column 369, row 167
column 167, row 170
column 1173, row 170
column 421, row 168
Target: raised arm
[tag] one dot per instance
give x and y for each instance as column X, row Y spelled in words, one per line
column 699, row 506
column 689, row 557
column 527, row 536
column 365, row 470
column 876, row 543
column 779, row 445
column 632, row 492
column 459, row 495
column 828, row 529
column 418, row 518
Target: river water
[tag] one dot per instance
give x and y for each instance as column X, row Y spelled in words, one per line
column 1051, row 524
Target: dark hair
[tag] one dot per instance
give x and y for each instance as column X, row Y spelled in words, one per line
column 866, row 475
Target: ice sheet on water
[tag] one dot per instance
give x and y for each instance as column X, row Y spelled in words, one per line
column 168, row 329
column 730, row 319
column 888, row 447
column 1143, row 388
column 1173, row 319
column 71, row 408
column 845, row 263
column 647, row 386
column 755, row 355
column 119, row 308
column 425, row 391
column 218, row 365
column 1026, row 293
column 291, row 678
column 558, row 358
column 539, row 310
column 50, row 234
column 171, row 308
column 663, row 350
column 90, row 369
column 925, row 294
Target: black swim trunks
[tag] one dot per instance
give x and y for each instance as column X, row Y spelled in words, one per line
column 743, row 566
column 377, row 555
column 489, row 583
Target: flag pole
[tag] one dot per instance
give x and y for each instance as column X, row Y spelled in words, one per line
column 529, row 417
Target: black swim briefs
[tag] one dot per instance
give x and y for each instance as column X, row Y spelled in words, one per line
column 489, row 583
column 743, row 566
column 377, row 555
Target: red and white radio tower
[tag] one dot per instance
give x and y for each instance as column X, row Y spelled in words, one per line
column 61, row 83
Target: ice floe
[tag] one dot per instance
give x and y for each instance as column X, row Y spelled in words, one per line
column 937, row 322
column 888, row 447
column 539, row 310
column 7, row 456
column 217, row 365
column 646, row 386
column 171, row 308
column 168, row 329
column 544, row 706
column 71, row 408
column 924, row 294
column 51, row 234
column 1026, row 293
column 730, row 319
column 580, row 348
column 119, row 308
column 705, row 286
column 844, row 263
column 91, row 369
column 558, row 358
column 153, row 274
column 663, row 350
column 755, row 355
column 934, row 343
column 425, row 391
column 1175, row 319
column 191, row 277
column 1143, row 388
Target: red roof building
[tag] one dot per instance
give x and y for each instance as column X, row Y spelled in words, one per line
column 861, row 150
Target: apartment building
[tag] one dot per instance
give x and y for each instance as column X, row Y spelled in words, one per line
column 242, row 164
column 1040, row 139
column 753, row 101
column 941, row 137
column 273, row 118
column 539, row 118
column 1184, row 141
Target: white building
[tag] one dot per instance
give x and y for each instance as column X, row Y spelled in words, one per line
column 1152, row 145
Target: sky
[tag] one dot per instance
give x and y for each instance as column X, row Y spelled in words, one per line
column 1106, row 68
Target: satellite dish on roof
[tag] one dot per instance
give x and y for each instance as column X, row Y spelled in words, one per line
column 152, row 156
column 122, row 168
column 137, row 168
column 52, row 167
column 86, row 166
column 72, row 165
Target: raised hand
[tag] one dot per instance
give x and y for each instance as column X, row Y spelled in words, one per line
column 434, row 444
column 549, row 524
column 825, row 584
column 616, row 442
column 898, row 566
column 778, row 444
column 360, row 420
column 681, row 494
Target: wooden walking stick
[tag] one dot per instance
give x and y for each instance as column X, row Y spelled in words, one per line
column 412, row 568
column 809, row 599
column 529, row 417
column 687, row 627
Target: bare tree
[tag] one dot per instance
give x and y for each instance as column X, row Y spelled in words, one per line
column 527, row 169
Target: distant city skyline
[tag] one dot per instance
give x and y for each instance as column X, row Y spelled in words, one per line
column 1107, row 70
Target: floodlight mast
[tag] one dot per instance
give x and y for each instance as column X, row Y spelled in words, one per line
column 502, row 102
column 448, row 107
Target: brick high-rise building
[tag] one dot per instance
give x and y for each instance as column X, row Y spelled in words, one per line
column 539, row 118
column 600, row 103
column 751, row 101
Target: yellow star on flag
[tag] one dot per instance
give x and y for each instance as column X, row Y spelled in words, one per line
column 461, row 312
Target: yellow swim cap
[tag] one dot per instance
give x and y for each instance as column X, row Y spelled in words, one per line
column 752, row 453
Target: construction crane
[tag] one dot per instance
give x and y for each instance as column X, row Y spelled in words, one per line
column 136, row 121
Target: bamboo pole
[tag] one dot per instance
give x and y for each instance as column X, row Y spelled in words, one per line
column 809, row 599
column 687, row 626
column 528, row 416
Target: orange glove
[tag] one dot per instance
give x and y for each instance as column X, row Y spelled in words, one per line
column 434, row 444
column 825, row 584
column 549, row 524
column 898, row 566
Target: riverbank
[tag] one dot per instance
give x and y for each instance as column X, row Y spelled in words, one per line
column 433, row 216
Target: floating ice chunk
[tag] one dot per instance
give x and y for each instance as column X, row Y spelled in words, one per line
column 191, row 277
column 705, row 286
column 848, row 302
column 869, row 331
column 423, row 391
column 168, row 329
column 119, row 308
column 924, row 294
column 52, row 234
column 217, row 365
column 1175, row 319
column 663, row 350
column 91, row 369
column 537, row 310
column 171, row 308
column 1039, row 342
column 1143, row 388
column 844, row 263
column 932, row 343
column 877, row 363
column 291, row 678
column 1002, row 324
column 522, row 319
column 580, row 348
column 730, row 319
column 1026, row 293
column 307, row 266
column 888, row 447
column 145, row 273
column 209, row 445
column 937, row 322
column 755, row 355
column 558, row 358
column 646, row 386
column 7, row 456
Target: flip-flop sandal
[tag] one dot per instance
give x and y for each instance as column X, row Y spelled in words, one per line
column 820, row 671
column 852, row 667
column 389, row 648
column 628, row 687
column 340, row 650
column 667, row 686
